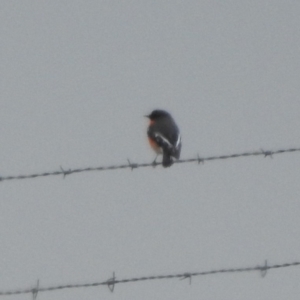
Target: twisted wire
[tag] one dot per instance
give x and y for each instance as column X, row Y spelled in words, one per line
column 132, row 166
column 113, row 281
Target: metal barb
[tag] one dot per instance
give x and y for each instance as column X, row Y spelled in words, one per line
column 267, row 153
column 111, row 283
column 35, row 290
column 199, row 159
column 65, row 172
column 264, row 269
column 131, row 165
column 187, row 275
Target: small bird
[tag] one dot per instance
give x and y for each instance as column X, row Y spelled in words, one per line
column 164, row 137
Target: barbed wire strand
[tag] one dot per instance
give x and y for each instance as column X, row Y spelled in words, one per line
column 153, row 164
column 110, row 283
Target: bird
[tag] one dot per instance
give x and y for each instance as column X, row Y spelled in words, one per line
column 164, row 136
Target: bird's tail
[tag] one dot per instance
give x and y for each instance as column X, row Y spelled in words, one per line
column 167, row 160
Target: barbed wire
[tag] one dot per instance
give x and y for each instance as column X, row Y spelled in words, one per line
column 132, row 166
column 110, row 283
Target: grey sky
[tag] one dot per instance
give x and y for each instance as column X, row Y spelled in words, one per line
column 76, row 79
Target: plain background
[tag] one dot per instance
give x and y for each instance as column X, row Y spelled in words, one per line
column 76, row 79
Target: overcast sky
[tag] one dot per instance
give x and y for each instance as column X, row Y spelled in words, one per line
column 76, row 79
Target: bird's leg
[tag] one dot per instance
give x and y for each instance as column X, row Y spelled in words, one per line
column 154, row 163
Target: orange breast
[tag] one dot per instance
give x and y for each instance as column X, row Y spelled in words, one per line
column 154, row 146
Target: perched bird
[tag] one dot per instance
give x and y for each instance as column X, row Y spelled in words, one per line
column 164, row 137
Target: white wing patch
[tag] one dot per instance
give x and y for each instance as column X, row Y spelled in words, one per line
column 178, row 141
column 163, row 138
